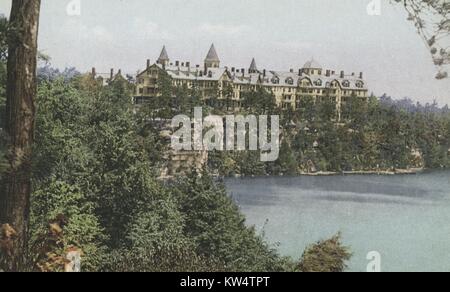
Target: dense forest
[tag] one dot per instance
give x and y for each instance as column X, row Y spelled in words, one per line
column 378, row 134
column 96, row 163
column 95, row 189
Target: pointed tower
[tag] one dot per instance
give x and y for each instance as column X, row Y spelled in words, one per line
column 253, row 67
column 164, row 58
column 212, row 60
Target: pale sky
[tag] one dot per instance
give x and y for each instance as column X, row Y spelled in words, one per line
column 281, row 35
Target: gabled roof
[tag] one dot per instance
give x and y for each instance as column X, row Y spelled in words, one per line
column 147, row 69
column 212, row 54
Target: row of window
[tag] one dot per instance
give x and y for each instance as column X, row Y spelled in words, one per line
column 276, row 80
column 288, row 101
column 290, row 81
column 153, row 90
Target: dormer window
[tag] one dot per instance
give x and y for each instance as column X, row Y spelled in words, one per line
column 275, row 80
column 210, row 74
column 318, row 82
column 290, row 81
column 346, row 83
column 305, row 83
column 360, row 84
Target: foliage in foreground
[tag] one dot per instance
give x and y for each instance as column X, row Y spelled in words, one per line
column 95, row 169
column 96, row 164
column 328, row 256
column 96, row 189
column 65, row 207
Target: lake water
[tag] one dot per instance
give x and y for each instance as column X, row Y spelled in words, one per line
column 406, row 218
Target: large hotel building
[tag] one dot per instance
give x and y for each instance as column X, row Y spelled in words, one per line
column 288, row 87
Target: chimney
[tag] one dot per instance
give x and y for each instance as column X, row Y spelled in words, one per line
column 264, row 72
column 328, row 73
column 243, row 72
column 119, row 72
column 291, row 70
column 300, row 72
column 94, row 73
column 361, row 75
column 233, row 69
column 333, row 72
column 148, row 63
column 188, row 65
column 353, row 73
column 177, row 63
column 112, row 74
column 342, row 74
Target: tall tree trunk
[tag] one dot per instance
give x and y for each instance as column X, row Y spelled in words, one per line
column 20, row 118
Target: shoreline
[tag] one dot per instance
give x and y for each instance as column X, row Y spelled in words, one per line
column 410, row 171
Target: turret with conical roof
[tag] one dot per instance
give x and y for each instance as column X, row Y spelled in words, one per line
column 253, row 67
column 163, row 57
column 212, row 59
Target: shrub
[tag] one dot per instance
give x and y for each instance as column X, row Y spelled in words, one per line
column 325, row 256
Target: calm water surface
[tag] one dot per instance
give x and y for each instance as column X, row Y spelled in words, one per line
column 405, row 218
